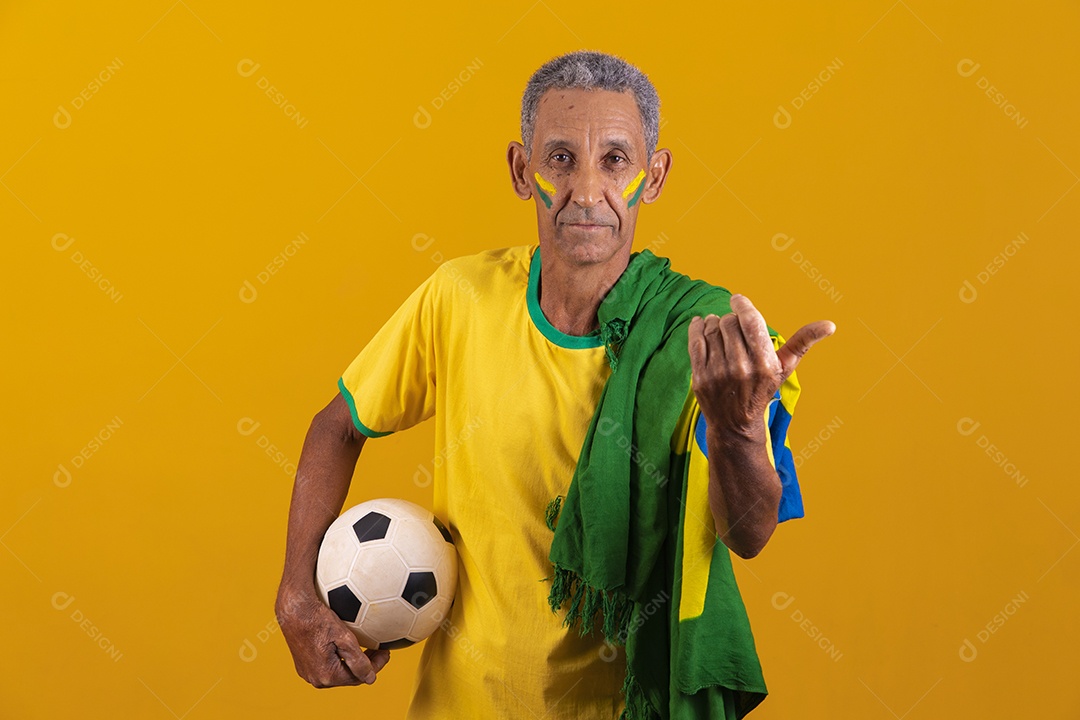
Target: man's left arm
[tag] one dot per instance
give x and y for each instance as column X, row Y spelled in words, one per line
column 736, row 372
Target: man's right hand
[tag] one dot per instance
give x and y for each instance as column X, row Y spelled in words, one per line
column 324, row 649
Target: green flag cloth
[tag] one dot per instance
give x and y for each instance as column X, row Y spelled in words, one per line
column 617, row 545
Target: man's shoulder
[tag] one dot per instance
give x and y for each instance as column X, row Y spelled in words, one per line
column 488, row 269
column 682, row 279
column 492, row 258
column 690, row 294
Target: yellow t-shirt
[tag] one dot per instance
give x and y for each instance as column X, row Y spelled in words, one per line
column 512, row 399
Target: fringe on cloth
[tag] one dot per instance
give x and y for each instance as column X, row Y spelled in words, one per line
column 612, row 335
column 553, row 512
column 585, row 602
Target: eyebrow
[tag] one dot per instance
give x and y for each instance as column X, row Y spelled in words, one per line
column 620, row 143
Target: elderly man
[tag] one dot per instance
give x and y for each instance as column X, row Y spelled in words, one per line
column 579, row 389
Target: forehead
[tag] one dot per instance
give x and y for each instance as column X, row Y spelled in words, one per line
column 574, row 112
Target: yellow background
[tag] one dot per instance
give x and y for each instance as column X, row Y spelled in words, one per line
column 180, row 181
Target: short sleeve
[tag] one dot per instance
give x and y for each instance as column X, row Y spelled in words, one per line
column 777, row 420
column 390, row 385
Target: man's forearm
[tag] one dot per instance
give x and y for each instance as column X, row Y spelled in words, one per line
column 323, row 475
column 744, row 491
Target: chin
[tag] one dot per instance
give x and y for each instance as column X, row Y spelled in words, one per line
column 588, row 251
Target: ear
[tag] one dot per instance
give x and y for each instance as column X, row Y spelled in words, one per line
column 656, row 175
column 519, row 166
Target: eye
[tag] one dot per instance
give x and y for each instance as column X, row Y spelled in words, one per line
column 618, row 157
column 556, row 156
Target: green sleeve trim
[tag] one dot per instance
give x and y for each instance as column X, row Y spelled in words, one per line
column 552, row 333
column 356, row 418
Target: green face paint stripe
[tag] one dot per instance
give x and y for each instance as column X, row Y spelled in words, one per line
column 545, row 188
column 641, row 189
column 543, row 195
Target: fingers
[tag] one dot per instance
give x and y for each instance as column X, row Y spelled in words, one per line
column 699, row 353
column 735, row 352
column 706, row 342
column 754, row 330
column 353, row 661
column 791, row 352
column 740, row 339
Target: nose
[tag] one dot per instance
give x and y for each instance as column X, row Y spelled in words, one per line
column 588, row 186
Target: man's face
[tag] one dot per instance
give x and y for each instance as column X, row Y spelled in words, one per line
column 589, row 172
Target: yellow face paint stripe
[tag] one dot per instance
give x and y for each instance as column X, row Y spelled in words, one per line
column 544, row 184
column 633, row 184
column 545, row 189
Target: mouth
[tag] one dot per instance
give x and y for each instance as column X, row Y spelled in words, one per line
column 585, row 226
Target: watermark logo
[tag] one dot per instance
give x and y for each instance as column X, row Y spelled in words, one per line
column 967, row 427
column 609, row 426
column 610, row 651
column 423, row 477
column 458, row 636
column 781, row 242
column 247, row 427
column 248, row 292
column 968, row 292
column 815, row 443
column 660, row 241
column 247, row 67
column 422, row 118
column 249, row 650
column 782, row 117
column 782, row 601
column 968, row 650
column 62, row 601
column 421, row 242
column 62, row 476
column 61, row 242
column 62, row 117
column 967, row 67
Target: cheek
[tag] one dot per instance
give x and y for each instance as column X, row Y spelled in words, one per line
column 632, row 192
column 544, row 189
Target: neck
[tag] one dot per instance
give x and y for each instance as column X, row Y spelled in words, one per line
column 570, row 293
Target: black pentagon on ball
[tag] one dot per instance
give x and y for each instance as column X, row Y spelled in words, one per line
column 344, row 604
column 419, row 588
column 372, row 526
column 396, row 644
column 443, row 530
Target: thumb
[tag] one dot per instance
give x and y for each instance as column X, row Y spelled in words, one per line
column 358, row 662
column 378, row 658
column 792, row 351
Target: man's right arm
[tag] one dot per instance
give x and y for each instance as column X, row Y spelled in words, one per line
column 324, row 650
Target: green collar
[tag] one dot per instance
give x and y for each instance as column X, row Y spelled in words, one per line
column 615, row 312
column 552, row 333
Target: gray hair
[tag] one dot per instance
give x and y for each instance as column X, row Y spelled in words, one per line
column 591, row 70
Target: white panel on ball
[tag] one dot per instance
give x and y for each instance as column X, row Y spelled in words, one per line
column 388, row 569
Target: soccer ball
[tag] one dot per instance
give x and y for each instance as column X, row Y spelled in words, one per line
column 388, row 569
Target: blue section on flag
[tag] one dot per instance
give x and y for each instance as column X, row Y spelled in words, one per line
column 791, row 504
